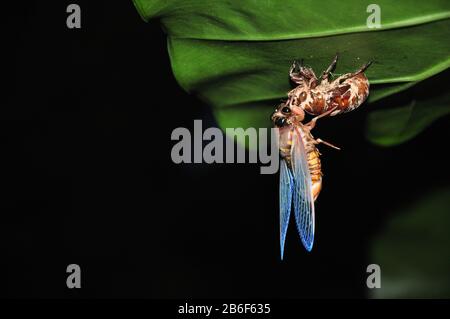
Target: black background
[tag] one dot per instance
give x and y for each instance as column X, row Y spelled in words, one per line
column 87, row 176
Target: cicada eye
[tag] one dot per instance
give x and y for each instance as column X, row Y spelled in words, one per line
column 280, row 121
column 286, row 110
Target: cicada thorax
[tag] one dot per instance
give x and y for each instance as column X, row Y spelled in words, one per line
column 285, row 143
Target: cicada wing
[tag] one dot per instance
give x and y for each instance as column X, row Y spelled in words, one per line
column 286, row 190
column 302, row 194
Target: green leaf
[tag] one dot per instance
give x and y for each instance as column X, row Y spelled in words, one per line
column 235, row 55
column 252, row 20
column 397, row 120
column 382, row 91
column 400, row 124
column 412, row 250
column 227, row 73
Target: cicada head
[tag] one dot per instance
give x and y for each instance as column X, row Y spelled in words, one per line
column 286, row 114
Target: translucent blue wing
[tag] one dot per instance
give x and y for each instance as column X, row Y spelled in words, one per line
column 302, row 195
column 286, row 190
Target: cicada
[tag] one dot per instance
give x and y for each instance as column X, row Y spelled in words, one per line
column 300, row 167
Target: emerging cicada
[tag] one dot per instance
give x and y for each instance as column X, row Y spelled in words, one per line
column 300, row 168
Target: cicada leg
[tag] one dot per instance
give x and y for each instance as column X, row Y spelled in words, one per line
column 311, row 124
column 318, row 141
column 294, row 73
column 327, row 72
column 350, row 75
column 301, row 75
